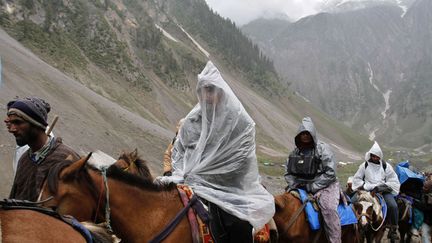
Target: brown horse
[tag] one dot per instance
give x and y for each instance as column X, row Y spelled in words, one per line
column 292, row 224
column 20, row 225
column 370, row 216
column 133, row 164
column 139, row 208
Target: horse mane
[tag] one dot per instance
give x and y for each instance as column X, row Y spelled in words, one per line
column 113, row 172
column 141, row 165
column 116, row 173
column 365, row 196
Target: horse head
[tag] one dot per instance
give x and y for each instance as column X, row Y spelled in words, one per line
column 132, row 163
column 123, row 200
column 368, row 209
column 68, row 185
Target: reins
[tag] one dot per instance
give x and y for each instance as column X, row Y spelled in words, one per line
column 194, row 203
column 15, row 202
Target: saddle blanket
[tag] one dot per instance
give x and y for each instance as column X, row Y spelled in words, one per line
column 200, row 231
column 346, row 213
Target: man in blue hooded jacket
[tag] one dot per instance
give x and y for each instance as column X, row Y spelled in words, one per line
column 311, row 167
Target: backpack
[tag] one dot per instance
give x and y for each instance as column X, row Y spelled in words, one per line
column 304, row 166
column 384, row 165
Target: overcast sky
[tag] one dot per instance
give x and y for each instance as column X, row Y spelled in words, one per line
column 243, row 11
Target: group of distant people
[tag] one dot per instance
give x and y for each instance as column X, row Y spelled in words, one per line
column 214, row 153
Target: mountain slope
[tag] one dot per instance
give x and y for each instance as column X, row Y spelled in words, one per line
column 131, row 95
column 365, row 67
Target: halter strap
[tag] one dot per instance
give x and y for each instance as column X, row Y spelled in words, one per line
column 370, row 221
column 366, row 216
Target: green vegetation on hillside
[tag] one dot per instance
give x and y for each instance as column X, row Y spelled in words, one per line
column 223, row 36
column 72, row 33
column 170, row 64
column 53, row 45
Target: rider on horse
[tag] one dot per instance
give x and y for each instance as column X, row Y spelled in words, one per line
column 311, row 167
column 27, row 121
column 378, row 176
column 214, row 154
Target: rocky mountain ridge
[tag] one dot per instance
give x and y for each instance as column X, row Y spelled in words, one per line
column 367, row 67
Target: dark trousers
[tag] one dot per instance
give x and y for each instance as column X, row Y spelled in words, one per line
column 392, row 209
column 226, row 228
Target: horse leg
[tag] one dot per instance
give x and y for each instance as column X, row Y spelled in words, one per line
column 369, row 235
column 408, row 238
column 402, row 236
column 350, row 234
column 369, row 238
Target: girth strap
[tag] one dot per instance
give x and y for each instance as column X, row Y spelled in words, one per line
column 295, row 216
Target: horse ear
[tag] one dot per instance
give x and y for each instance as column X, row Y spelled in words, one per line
column 134, row 153
column 74, row 167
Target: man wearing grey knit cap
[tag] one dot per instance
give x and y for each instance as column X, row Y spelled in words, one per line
column 27, row 120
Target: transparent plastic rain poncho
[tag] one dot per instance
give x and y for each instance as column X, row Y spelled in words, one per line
column 215, row 152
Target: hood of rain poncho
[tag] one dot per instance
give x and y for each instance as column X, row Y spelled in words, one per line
column 376, row 150
column 306, row 126
column 215, row 152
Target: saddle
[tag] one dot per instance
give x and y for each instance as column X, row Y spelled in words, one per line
column 345, row 210
column 407, row 201
column 14, row 204
column 199, row 227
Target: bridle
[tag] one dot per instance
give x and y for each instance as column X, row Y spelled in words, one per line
column 369, row 220
column 104, row 190
column 365, row 215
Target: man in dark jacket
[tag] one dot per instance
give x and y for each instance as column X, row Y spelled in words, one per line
column 27, row 121
column 311, row 166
